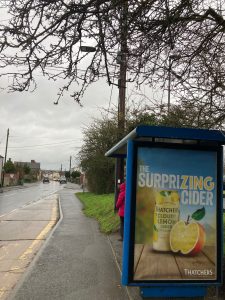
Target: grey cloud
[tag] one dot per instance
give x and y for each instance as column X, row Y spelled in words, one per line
column 33, row 119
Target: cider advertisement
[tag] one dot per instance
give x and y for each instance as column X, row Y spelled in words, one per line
column 176, row 215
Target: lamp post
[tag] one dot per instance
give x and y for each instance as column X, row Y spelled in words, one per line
column 87, row 49
column 122, row 61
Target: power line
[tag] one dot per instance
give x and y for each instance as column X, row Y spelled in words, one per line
column 41, row 137
column 41, row 145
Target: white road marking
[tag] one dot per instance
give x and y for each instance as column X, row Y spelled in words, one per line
column 28, row 203
column 9, row 212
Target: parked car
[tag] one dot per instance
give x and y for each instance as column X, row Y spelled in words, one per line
column 45, row 180
column 62, row 179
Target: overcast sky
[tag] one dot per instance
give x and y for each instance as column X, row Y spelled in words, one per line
column 42, row 131
column 48, row 133
column 45, row 132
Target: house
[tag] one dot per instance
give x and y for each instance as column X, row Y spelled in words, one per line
column 35, row 169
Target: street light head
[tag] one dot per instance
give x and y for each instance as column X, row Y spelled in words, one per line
column 175, row 56
column 87, row 49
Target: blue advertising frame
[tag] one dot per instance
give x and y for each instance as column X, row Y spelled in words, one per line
column 171, row 286
column 177, row 137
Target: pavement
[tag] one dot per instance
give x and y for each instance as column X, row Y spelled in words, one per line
column 78, row 262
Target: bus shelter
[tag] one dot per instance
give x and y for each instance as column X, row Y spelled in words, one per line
column 173, row 232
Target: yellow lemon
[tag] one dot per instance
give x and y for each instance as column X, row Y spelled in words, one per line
column 187, row 238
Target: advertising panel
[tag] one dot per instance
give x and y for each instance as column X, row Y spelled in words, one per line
column 175, row 230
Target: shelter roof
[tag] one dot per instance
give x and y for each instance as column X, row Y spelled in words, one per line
column 168, row 135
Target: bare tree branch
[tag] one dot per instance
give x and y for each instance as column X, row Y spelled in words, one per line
column 45, row 36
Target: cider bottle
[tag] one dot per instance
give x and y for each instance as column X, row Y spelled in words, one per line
column 166, row 214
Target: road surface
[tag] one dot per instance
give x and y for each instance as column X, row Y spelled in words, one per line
column 17, row 198
column 26, row 218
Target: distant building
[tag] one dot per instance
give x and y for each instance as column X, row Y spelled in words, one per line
column 55, row 176
column 35, row 168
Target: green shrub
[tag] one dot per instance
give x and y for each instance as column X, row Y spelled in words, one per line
column 27, row 180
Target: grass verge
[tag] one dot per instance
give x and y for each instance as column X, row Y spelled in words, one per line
column 100, row 207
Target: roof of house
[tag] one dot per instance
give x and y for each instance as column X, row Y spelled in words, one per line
column 33, row 165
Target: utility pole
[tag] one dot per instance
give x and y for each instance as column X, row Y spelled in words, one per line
column 70, row 163
column 169, row 83
column 6, row 149
column 172, row 58
column 70, row 167
column 121, row 110
column 122, row 60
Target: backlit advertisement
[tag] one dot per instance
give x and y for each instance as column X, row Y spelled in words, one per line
column 175, row 231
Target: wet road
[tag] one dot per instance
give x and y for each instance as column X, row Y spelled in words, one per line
column 18, row 198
